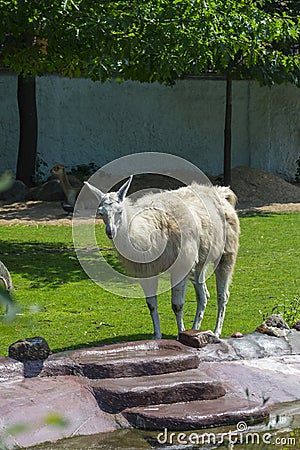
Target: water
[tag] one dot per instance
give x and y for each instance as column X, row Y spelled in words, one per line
column 281, row 432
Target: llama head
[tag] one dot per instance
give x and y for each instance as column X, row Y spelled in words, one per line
column 111, row 207
column 57, row 169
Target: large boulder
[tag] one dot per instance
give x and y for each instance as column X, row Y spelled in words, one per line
column 49, row 191
column 274, row 325
column 18, row 192
column 29, row 349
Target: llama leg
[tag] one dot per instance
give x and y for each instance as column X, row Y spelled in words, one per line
column 178, row 292
column 150, row 289
column 152, row 305
column 223, row 279
column 202, row 295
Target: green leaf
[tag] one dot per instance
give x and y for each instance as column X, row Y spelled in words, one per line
column 151, row 40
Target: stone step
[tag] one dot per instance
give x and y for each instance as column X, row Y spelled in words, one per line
column 196, row 415
column 35, row 410
column 114, row 395
column 135, row 359
column 130, row 359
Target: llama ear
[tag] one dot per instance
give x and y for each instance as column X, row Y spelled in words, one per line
column 99, row 194
column 124, row 189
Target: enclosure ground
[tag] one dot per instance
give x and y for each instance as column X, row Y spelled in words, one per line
column 256, row 190
column 51, row 213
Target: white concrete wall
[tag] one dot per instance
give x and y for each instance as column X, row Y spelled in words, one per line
column 81, row 122
column 274, row 132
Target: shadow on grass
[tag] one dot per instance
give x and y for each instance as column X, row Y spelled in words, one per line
column 42, row 264
column 260, row 213
column 50, row 264
column 256, row 213
column 113, row 340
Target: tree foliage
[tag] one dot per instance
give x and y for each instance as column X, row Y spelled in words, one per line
column 151, row 40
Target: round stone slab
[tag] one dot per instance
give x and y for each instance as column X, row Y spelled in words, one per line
column 134, row 359
column 196, row 415
column 114, row 395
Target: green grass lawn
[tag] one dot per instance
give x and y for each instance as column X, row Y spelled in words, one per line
column 60, row 303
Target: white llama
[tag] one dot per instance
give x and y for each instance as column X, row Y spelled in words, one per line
column 180, row 232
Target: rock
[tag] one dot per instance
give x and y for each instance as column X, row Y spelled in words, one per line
column 237, row 335
column 274, row 326
column 49, row 191
column 271, row 331
column 276, row 320
column 189, row 399
column 196, row 415
column 10, row 370
column 43, row 410
column 198, row 339
column 138, row 359
column 296, row 325
column 17, row 193
column 115, row 395
column 29, row 349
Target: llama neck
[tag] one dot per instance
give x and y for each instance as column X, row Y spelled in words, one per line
column 133, row 224
column 125, row 227
column 64, row 181
column 136, row 242
column 125, row 220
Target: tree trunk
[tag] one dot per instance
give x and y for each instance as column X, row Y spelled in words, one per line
column 28, row 130
column 227, row 131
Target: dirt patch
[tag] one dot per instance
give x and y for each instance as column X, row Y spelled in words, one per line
column 256, row 190
column 34, row 213
column 259, row 189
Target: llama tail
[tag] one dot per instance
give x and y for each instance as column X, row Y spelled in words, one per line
column 228, row 194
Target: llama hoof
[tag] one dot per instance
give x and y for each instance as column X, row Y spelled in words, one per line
column 178, row 335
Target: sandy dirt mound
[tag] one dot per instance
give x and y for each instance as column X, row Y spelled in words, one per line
column 255, row 189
